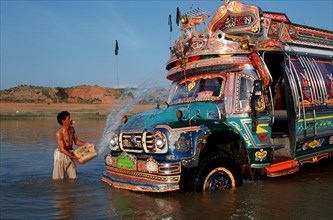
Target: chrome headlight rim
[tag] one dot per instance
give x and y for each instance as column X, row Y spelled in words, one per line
column 160, row 141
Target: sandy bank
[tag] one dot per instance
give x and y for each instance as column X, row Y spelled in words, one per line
column 43, row 110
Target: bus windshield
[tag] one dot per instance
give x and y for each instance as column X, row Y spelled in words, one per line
column 199, row 89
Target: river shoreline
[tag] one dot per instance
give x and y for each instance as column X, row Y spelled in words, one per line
column 45, row 111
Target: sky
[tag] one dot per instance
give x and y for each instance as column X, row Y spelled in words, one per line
column 59, row 43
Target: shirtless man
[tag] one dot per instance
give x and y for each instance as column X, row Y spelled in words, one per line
column 63, row 157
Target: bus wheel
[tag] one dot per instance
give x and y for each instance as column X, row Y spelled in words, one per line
column 217, row 172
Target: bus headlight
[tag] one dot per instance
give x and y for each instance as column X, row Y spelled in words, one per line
column 160, row 140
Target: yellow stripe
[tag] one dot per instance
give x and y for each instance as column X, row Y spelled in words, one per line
column 260, row 129
column 318, row 118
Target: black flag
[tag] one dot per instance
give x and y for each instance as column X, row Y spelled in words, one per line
column 178, row 16
column 170, row 23
column 117, row 48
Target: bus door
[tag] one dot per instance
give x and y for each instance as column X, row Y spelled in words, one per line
column 283, row 110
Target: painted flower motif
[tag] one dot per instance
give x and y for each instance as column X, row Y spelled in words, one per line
column 255, row 29
column 151, row 166
column 260, row 155
column 314, row 144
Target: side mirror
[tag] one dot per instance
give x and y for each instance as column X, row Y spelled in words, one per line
column 257, row 88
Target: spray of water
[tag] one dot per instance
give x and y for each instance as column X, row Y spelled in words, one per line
column 143, row 92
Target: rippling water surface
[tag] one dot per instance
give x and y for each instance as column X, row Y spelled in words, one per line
column 28, row 191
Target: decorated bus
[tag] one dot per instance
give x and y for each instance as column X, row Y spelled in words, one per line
column 251, row 94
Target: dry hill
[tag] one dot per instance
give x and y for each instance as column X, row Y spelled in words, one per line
column 95, row 101
column 78, row 94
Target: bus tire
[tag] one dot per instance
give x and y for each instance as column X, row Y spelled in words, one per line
column 217, row 172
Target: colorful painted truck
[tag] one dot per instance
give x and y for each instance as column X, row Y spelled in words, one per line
column 252, row 93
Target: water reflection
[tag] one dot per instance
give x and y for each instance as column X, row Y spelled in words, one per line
column 134, row 205
column 64, row 199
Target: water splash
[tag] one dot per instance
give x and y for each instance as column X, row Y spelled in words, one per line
column 130, row 97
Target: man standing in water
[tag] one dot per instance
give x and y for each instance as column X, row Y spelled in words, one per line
column 63, row 157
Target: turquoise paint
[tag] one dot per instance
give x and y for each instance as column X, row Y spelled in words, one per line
column 193, row 111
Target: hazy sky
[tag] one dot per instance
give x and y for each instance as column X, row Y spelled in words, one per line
column 69, row 43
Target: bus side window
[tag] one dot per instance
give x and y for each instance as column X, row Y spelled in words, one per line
column 244, row 94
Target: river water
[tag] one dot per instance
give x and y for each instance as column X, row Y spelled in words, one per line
column 28, row 191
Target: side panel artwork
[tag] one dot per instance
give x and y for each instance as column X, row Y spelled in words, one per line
column 257, row 143
column 314, row 125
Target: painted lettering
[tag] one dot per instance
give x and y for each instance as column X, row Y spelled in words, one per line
column 234, row 21
column 247, row 140
column 247, row 20
column 236, row 126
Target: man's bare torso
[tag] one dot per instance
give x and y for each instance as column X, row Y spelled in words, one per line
column 67, row 137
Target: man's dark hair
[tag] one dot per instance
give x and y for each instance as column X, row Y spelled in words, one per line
column 62, row 116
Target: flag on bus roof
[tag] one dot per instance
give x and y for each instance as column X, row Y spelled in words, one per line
column 178, row 16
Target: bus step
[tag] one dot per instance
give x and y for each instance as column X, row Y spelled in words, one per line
column 279, row 135
column 277, row 147
column 282, row 168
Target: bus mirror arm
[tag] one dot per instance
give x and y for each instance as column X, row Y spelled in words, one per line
column 271, row 106
column 256, row 94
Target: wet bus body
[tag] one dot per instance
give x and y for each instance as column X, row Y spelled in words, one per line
column 252, row 93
